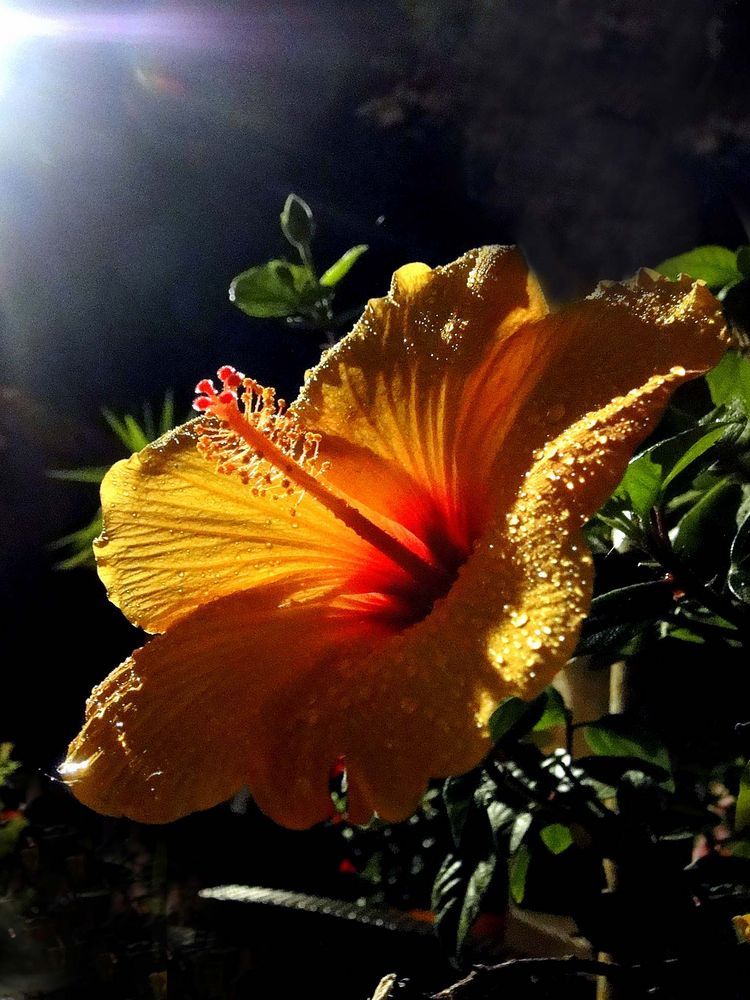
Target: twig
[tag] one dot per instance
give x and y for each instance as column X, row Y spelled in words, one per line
column 484, row 981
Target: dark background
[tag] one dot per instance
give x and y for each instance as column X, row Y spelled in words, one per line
column 143, row 163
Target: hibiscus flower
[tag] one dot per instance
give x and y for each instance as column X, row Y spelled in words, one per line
column 368, row 573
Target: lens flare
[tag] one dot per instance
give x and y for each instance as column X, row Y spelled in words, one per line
column 18, row 26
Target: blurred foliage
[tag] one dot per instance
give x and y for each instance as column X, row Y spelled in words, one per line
column 12, row 822
column 133, row 434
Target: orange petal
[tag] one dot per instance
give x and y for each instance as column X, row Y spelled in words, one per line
column 177, row 535
column 418, row 707
column 406, row 393
column 415, row 704
column 606, row 346
column 189, row 718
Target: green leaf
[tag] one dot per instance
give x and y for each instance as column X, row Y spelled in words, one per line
column 127, row 429
column 648, row 475
column 694, row 452
column 457, row 896
column 694, row 527
column 86, row 474
column 458, row 796
column 80, row 543
column 739, row 567
column 618, row 616
column 617, row 736
column 518, row 871
column 715, row 265
column 520, row 828
column 515, row 718
column 297, row 223
column 555, row 713
column 476, row 889
column 10, row 831
column 343, row 266
column 166, row 417
column 8, row 766
column 501, row 819
column 556, row 837
column 743, row 261
column 686, row 635
column 730, row 380
column 611, row 770
column 742, row 808
column 275, row 289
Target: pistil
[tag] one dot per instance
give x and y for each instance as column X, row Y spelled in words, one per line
column 268, row 448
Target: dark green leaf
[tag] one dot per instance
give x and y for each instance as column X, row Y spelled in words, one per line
column 555, row 714
column 609, row 770
column 743, row 261
column 739, row 569
column 343, row 265
column 619, row 615
column 742, row 809
column 737, row 305
column 476, row 889
column 556, row 837
column 457, row 896
column 518, row 871
column 297, row 222
column 730, row 380
column 519, row 830
column 458, row 795
column 617, row 736
column 715, row 265
column 501, row 818
column 694, row 528
column 274, row 289
column 514, row 718
column 648, row 475
column 693, row 453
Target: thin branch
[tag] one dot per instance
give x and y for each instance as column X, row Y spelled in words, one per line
column 485, row 981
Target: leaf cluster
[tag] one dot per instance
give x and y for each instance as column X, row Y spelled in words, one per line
column 290, row 290
column 132, row 434
column 673, row 542
column 534, row 827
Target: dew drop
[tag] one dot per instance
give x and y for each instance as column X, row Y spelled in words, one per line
column 519, row 620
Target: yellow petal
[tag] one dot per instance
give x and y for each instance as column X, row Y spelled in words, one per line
column 521, row 426
column 177, row 535
column 425, row 386
column 606, row 346
column 418, row 707
column 188, row 719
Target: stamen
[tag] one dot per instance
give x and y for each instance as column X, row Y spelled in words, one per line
column 249, row 433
